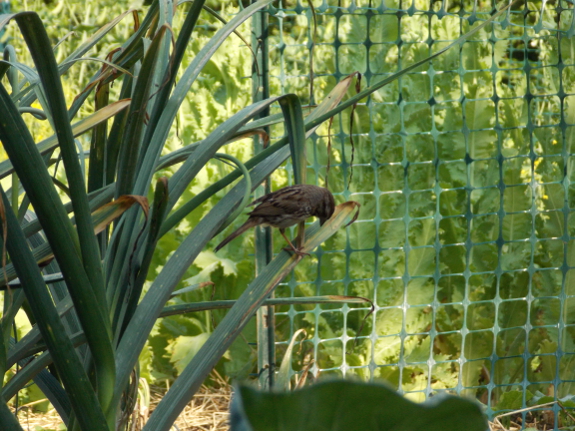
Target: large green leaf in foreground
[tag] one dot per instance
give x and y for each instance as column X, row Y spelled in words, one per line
column 350, row 406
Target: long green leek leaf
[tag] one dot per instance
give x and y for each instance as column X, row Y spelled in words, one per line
column 69, row 366
column 55, row 222
column 38, row 43
column 7, row 418
column 138, row 115
column 295, row 127
column 394, row 76
column 229, row 303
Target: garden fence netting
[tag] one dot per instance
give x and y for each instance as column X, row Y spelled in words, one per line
column 465, row 242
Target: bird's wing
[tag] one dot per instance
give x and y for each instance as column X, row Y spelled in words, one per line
column 285, row 193
column 275, row 208
column 284, row 201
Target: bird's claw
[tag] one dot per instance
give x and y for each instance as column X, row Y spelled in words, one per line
column 296, row 251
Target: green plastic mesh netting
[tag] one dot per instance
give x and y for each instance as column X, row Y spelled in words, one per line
column 465, row 241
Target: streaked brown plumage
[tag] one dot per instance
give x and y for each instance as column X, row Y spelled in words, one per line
column 287, row 207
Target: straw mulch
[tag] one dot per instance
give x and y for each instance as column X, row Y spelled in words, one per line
column 539, row 417
column 208, row 411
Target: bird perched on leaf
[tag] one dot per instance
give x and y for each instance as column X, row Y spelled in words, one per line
column 287, row 207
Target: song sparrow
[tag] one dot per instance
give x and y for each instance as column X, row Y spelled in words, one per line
column 287, row 207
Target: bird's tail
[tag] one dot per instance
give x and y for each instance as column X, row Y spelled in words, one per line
column 248, row 224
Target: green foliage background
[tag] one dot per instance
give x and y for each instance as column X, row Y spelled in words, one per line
column 463, row 169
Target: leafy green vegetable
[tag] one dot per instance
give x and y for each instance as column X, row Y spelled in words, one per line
column 351, row 406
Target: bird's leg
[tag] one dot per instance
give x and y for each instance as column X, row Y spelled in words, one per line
column 300, row 235
column 292, row 247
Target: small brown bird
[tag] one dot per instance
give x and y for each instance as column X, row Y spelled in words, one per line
column 287, row 207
